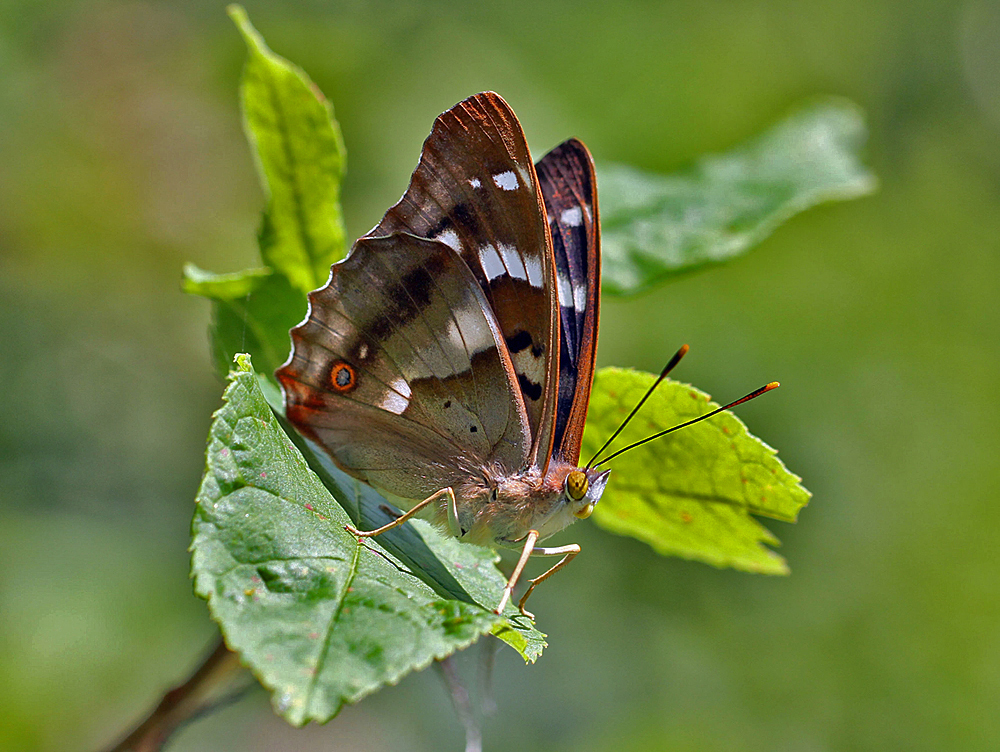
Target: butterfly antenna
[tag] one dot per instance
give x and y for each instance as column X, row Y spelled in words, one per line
column 756, row 393
column 671, row 364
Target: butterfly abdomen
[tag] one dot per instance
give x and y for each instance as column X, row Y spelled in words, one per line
column 499, row 507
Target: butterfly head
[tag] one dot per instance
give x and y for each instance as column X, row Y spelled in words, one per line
column 583, row 489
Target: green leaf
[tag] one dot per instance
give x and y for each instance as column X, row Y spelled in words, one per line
column 654, row 226
column 321, row 619
column 693, row 493
column 300, row 158
column 470, row 570
column 225, row 287
column 252, row 312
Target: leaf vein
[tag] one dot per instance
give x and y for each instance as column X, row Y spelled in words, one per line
column 334, row 618
column 293, row 177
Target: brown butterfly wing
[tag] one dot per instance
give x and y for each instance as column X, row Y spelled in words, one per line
column 400, row 373
column 475, row 189
column 569, row 187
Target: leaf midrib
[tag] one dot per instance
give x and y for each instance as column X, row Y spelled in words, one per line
column 301, row 225
column 334, row 618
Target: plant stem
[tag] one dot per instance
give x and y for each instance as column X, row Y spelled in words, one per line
column 220, row 678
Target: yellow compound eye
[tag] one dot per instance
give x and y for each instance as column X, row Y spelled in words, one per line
column 577, row 485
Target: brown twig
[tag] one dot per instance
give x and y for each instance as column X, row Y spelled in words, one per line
column 218, row 679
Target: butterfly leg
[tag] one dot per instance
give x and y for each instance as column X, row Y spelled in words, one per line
column 406, row 515
column 568, row 553
column 529, row 545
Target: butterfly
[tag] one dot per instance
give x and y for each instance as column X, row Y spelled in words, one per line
column 449, row 359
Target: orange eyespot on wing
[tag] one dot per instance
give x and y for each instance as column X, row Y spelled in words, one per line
column 343, row 379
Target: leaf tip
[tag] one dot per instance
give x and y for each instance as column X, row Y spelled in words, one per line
column 238, row 13
column 243, row 364
column 191, row 276
column 253, row 39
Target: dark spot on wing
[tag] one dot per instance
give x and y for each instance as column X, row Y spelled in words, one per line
column 442, row 224
column 529, row 389
column 419, row 284
column 473, row 429
column 465, row 218
column 460, row 217
column 569, row 345
column 518, row 341
column 405, row 300
column 380, row 328
column 447, row 403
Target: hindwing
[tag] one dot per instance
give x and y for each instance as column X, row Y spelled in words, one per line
column 400, row 371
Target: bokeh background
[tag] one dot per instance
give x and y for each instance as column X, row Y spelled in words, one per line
column 121, row 157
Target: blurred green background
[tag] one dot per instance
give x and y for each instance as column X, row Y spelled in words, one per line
column 121, row 157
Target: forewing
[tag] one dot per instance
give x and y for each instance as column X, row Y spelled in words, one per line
column 399, row 370
column 475, row 189
column 569, row 188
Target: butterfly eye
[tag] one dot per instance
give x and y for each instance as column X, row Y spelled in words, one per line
column 576, row 485
column 342, row 377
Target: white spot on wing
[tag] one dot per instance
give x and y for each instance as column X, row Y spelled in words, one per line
column 397, row 399
column 475, row 183
column 363, row 351
column 490, row 259
column 450, row 238
column 565, row 291
column 498, row 262
column 580, row 298
column 512, row 259
column 525, row 175
column 533, row 367
column 533, row 266
column 572, row 216
column 470, row 333
column 506, row 180
column 402, row 387
column 455, row 336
